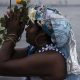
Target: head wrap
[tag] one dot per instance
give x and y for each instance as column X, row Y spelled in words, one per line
column 60, row 30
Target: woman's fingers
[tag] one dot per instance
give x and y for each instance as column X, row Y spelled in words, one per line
column 6, row 20
column 13, row 22
column 10, row 14
column 6, row 17
column 17, row 15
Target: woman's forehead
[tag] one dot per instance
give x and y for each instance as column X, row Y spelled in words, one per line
column 31, row 28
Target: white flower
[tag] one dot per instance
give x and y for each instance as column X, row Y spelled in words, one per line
column 27, row 0
column 1, row 28
column 1, row 34
column 32, row 14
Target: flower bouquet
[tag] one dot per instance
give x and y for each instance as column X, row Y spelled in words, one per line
column 27, row 13
column 23, row 9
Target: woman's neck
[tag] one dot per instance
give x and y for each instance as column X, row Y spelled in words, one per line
column 39, row 46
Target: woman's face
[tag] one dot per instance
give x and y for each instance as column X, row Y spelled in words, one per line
column 31, row 33
column 36, row 36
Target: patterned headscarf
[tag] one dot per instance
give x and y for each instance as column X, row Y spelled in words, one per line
column 59, row 28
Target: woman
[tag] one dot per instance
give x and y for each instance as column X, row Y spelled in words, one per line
column 49, row 63
column 45, row 57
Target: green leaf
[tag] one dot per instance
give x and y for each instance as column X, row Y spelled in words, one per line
column 2, row 31
column 16, row 9
column 0, row 41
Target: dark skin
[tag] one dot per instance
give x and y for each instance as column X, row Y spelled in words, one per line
column 48, row 65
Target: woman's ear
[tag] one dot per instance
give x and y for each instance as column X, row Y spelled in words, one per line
column 41, row 39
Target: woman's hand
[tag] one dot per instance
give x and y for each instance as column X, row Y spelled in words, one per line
column 13, row 23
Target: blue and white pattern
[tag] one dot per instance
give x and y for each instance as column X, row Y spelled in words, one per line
column 64, row 37
column 65, row 42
